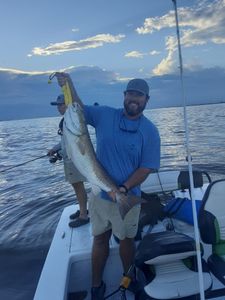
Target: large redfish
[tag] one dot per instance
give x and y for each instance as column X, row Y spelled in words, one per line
column 81, row 151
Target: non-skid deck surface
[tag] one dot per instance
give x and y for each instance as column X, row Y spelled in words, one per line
column 80, row 271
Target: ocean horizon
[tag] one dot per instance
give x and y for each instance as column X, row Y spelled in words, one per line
column 53, row 114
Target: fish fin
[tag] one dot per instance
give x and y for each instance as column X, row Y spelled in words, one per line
column 126, row 202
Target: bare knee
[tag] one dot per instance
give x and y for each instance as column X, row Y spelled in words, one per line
column 127, row 241
column 102, row 239
column 78, row 185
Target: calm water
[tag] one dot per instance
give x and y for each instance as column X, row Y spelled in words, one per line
column 33, row 196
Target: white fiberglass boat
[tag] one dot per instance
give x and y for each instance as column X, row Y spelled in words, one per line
column 166, row 251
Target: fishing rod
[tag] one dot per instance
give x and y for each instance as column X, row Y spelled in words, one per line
column 24, row 163
column 192, row 196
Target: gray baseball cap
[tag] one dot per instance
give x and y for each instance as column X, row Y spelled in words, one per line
column 60, row 100
column 139, row 85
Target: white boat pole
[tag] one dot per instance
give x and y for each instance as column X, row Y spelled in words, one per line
column 194, row 210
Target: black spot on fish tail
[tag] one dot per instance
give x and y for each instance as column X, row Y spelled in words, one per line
column 126, row 202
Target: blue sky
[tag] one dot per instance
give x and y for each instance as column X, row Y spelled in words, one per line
column 103, row 44
column 130, row 38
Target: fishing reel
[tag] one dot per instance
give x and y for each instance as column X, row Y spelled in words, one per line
column 53, row 158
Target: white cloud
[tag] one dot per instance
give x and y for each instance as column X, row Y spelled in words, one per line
column 75, row 29
column 138, row 54
column 91, row 42
column 134, row 54
column 157, row 23
column 48, row 72
column 16, row 71
column 199, row 25
column 167, row 64
column 154, row 52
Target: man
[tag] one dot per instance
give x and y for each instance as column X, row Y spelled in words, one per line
column 128, row 147
column 72, row 175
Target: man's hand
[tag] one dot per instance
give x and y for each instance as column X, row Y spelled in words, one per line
column 122, row 189
column 51, row 152
column 112, row 195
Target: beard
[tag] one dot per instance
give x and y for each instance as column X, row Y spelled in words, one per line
column 133, row 108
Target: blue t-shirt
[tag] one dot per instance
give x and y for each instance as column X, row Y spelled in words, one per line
column 123, row 145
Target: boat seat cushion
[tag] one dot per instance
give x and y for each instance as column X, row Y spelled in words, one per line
column 163, row 243
column 184, row 180
column 211, row 215
column 212, row 226
column 217, row 266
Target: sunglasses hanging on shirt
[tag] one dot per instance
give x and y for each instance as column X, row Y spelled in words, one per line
column 127, row 125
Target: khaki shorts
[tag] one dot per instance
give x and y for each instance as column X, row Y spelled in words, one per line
column 105, row 215
column 72, row 175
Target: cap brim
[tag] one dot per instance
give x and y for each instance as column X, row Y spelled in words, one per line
column 136, row 90
column 54, row 103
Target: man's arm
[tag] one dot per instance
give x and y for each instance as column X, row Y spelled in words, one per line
column 54, row 149
column 137, row 178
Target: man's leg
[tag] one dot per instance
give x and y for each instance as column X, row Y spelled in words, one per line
column 127, row 252
column 81, row 197
column 100, row 253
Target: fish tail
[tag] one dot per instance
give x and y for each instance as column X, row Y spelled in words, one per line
column 126, row 202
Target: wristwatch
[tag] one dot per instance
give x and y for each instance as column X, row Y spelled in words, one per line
column 126, row 190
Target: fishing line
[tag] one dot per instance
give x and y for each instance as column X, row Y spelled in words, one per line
column 24, row 163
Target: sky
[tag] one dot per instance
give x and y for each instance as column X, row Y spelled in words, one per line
column 131, row 38
column 103, row 44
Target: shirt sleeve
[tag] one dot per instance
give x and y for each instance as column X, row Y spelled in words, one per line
column 93, row 114
column 57, row 147
column 151, row 150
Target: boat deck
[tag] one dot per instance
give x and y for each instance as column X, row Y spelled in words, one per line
column 80, row 268
column 67, row 271
column 69, row 260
